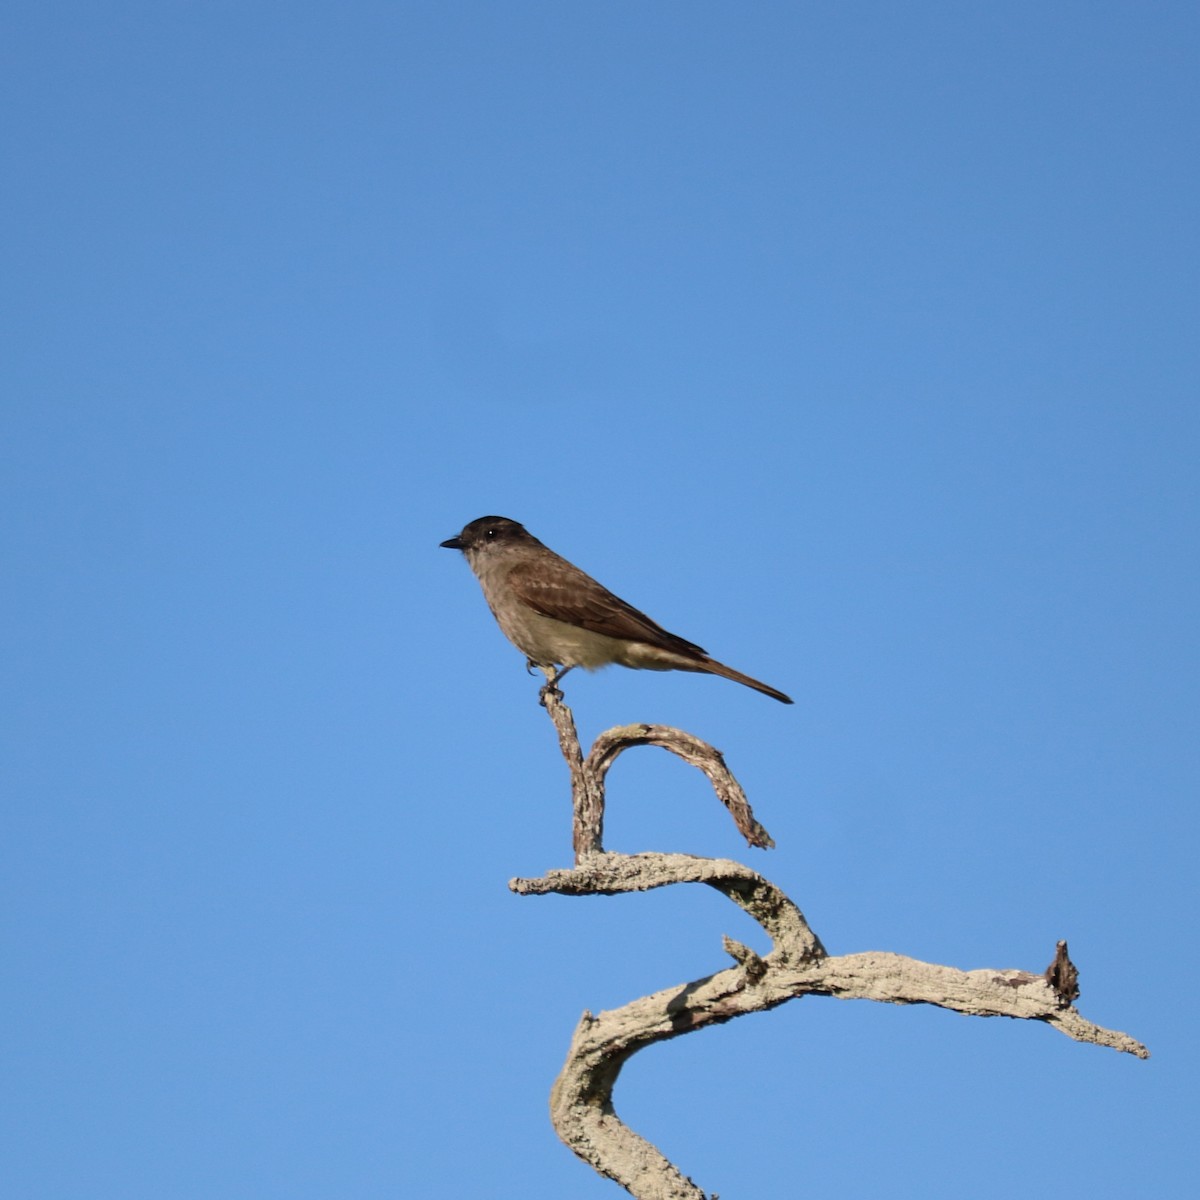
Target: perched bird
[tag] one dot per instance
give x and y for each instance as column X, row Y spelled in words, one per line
column 559, row 617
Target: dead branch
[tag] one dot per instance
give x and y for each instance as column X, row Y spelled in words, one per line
column 692, row 750
column 581, row 1100
column 587, row 775
column 587, row 791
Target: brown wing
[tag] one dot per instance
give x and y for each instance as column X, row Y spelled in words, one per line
column 562, row 591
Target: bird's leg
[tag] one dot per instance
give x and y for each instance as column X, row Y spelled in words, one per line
column 550, row 687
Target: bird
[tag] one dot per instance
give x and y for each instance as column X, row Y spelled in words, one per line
column 560, row 618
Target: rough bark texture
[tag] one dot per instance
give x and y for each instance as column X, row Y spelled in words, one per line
column 587, row 776
column 692, row 750
column 581, row 1104
column 587, row 791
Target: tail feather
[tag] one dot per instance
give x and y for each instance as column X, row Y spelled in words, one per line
column 715, row 668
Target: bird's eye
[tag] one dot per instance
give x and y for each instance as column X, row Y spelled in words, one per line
column 491, row 533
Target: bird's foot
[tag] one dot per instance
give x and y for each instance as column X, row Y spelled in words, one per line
column 550, row 687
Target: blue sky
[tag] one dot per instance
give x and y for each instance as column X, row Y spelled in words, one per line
column 857, row 343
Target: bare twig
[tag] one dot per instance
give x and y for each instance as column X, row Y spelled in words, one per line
column 692, row 750
column 588, row 775
column 609, row 874
column 587, row 791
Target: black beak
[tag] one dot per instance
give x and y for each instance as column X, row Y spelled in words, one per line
column 453, row 543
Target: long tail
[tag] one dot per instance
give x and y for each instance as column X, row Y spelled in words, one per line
column 715, row 668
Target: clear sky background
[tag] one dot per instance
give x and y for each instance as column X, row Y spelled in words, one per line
column 856, row 342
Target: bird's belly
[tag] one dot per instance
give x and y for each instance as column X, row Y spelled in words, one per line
column 547, row 641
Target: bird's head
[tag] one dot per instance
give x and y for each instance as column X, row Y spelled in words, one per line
column 487, row 535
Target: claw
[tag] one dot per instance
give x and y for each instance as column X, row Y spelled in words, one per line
column 550, row 687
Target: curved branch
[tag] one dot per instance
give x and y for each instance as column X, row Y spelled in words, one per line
column 610, row 874
column 581, row 1101
column 692, row 750
column 588, row 775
